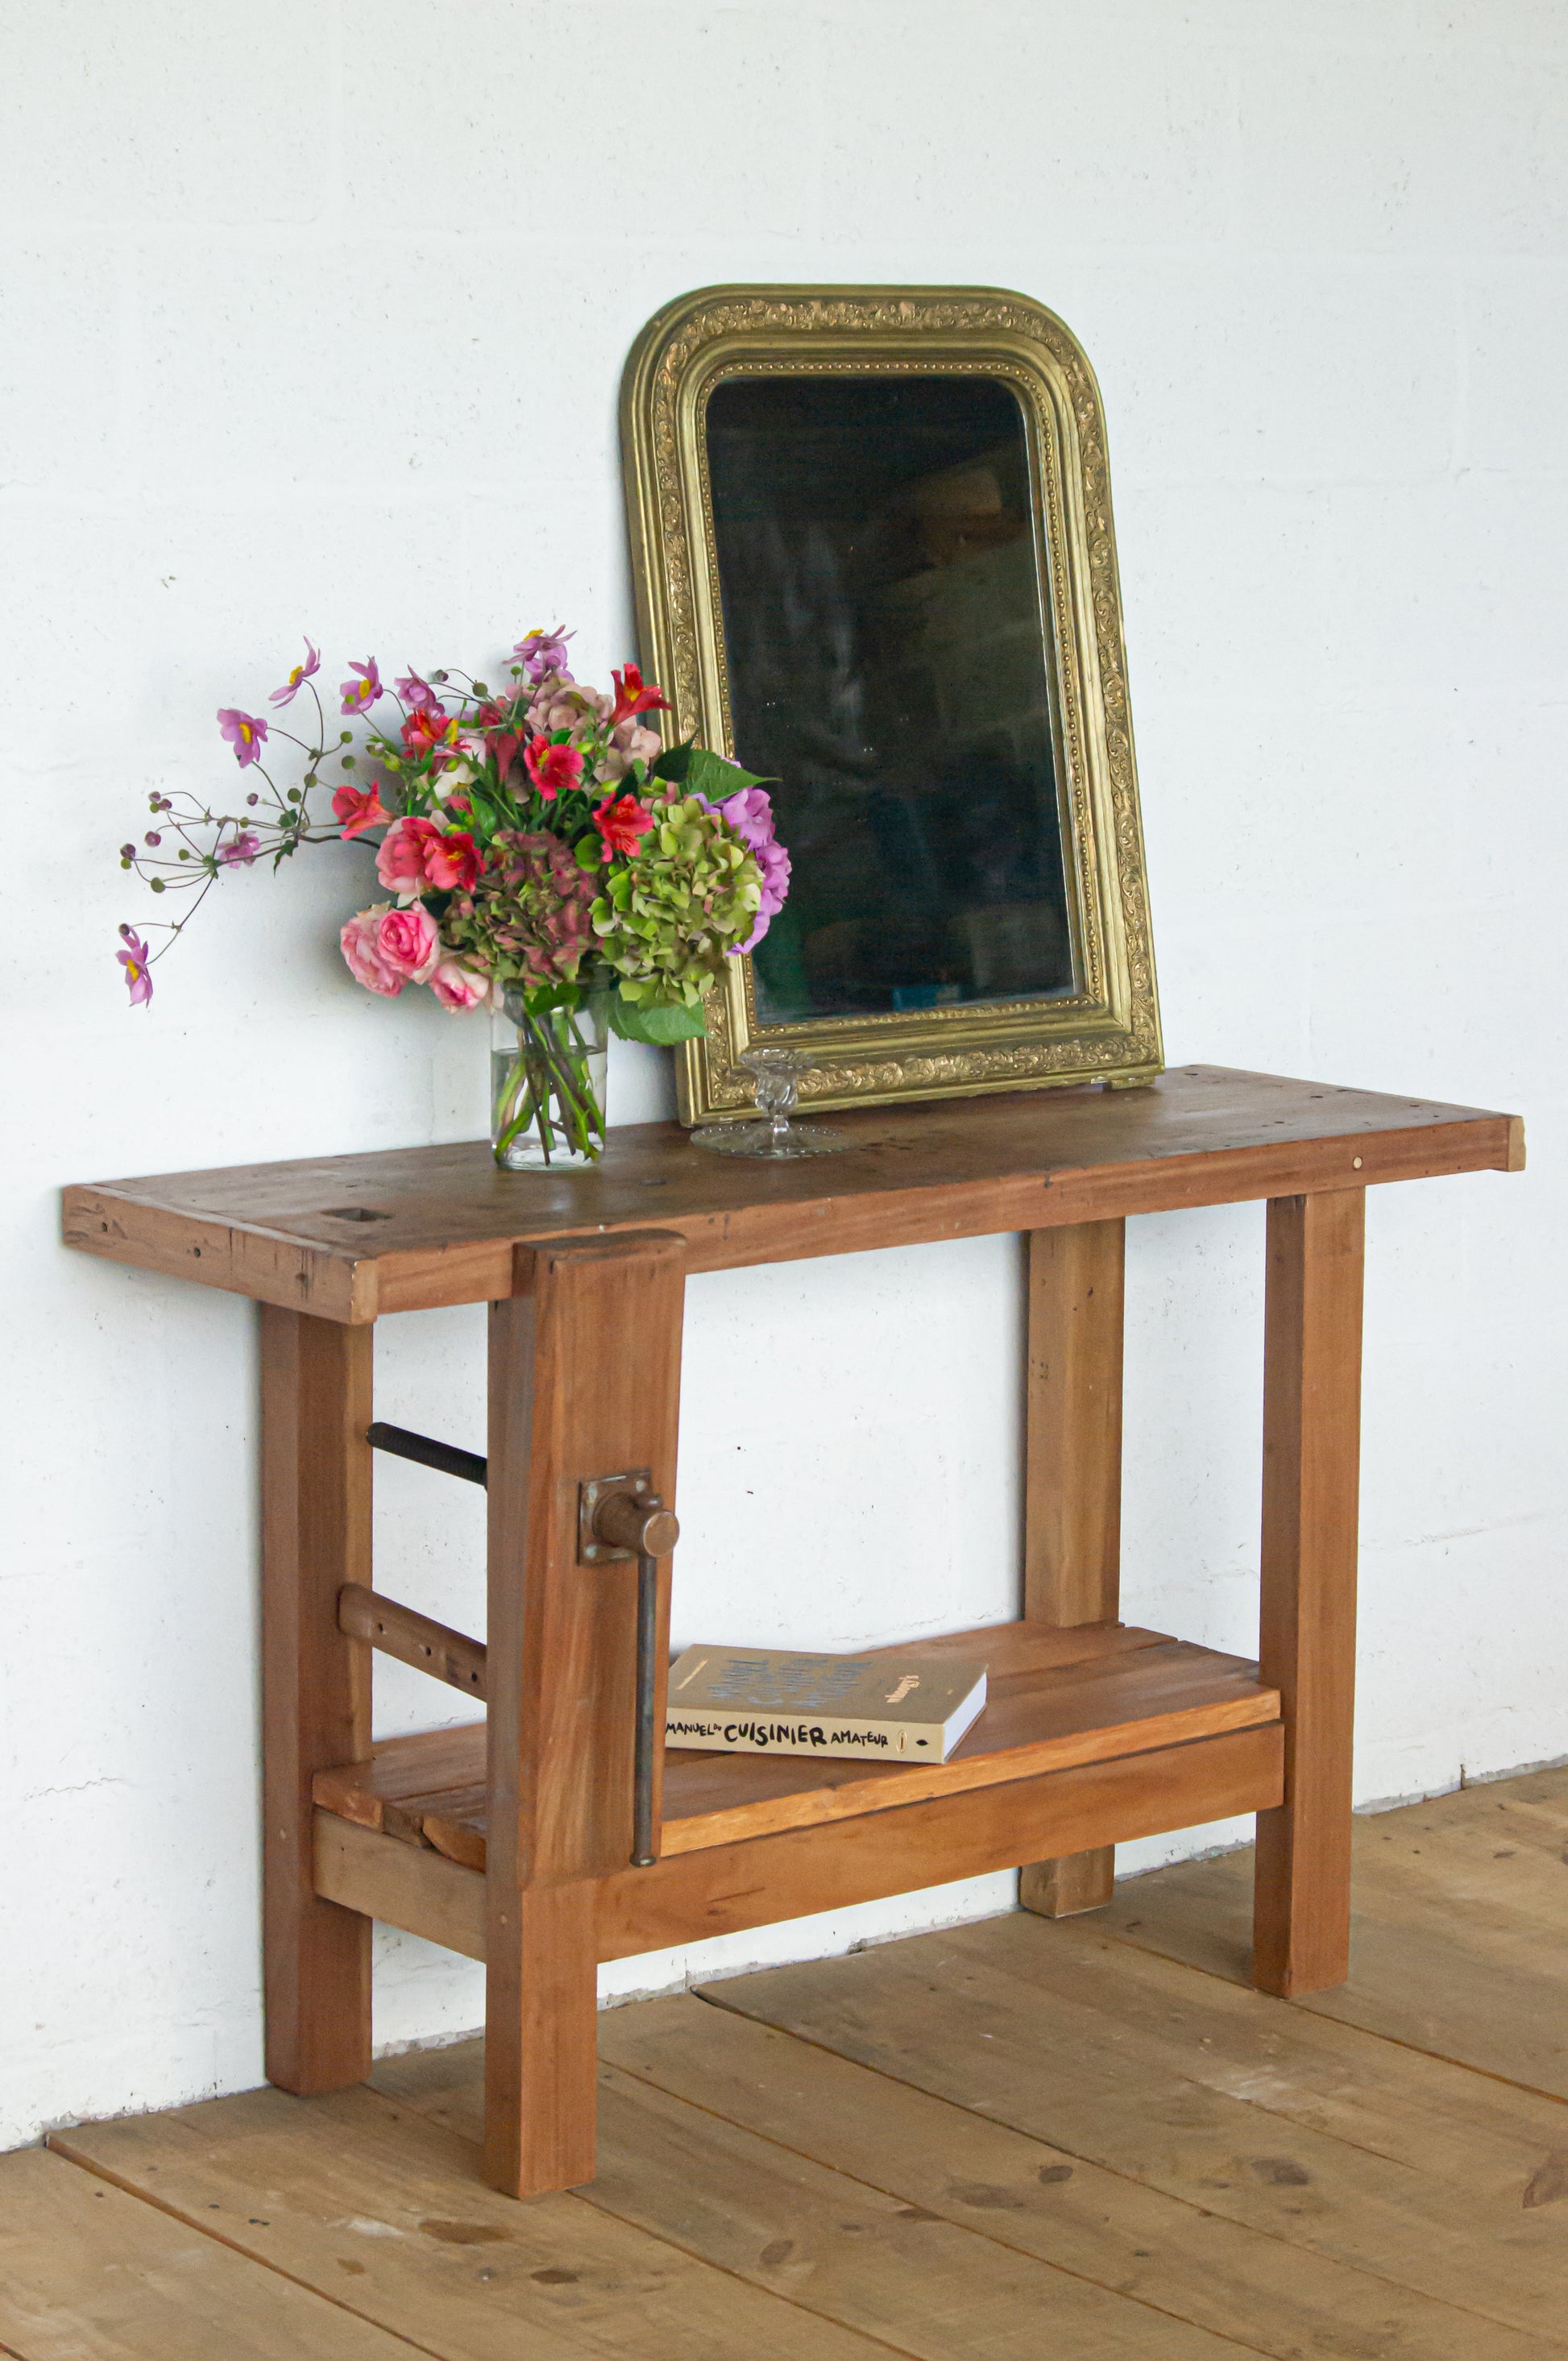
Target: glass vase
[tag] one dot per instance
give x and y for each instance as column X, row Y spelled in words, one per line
column 547, row 1084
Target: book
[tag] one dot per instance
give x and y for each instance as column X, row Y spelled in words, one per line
column 779, row 1701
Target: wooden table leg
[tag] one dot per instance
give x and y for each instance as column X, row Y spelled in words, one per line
column 585, row 1381
column 1072, row 1493
column 315, row 1509
column 1312, row 1427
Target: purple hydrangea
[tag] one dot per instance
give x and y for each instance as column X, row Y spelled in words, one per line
column 750, row 812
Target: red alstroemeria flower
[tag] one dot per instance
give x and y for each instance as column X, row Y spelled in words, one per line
column 551, row 768
column 631, row 698
column 623, row 823
column 427, row 728
column 357, row 808
column 452, row 859
column 501, row 741
column 418, row 852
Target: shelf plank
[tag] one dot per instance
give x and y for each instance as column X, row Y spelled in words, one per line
column 348, row 1238
column 1056, row 1698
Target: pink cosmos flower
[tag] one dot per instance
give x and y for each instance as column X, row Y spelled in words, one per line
column 458, row 985
column 298, row 677
column 623, row 823
column 361, row 941
column 357, row 808
column 551, row 768
column 407, row 941
column 243, row 731
column 542, row 651
column 631, row 698
column 136, row 962
column 358, row 694
column 240, row 851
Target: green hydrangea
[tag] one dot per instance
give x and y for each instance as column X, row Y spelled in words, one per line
column 667, row 920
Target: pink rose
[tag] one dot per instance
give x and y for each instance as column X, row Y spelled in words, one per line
column 458, row 986
column 361, row 941
column 400, row 862
column 418, row 852
column 408, row 943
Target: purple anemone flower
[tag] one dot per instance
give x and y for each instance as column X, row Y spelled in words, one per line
column 358, row 694
column 240, row 851
column 136, row 962
column 544, row 652
column 244, row 732
column 298, row 677
column 416, row 693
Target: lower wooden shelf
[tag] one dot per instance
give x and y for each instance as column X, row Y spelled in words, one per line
column 1057, row 1700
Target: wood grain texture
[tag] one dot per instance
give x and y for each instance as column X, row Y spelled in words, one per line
column 1460, row 1908
column 687, row 1896
column 1007, row 2139
column 1072, row 1482
column 948, row 2014
column 1056, row 1698
column 585, row 1381
column 315, row 1514
column 841, row 2244
column 1312, row 1434
column 1475, row 2132
column 946, row 2164
column 89, row 2273
column 411, row 1886
column 379, row 2208
column 414, row 1638
column 447, row 1222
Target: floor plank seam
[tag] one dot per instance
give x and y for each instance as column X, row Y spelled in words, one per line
column 96, row 2171
column 1389, row 2040
column 726, row 2270
column 1291, row 2246
column 973, row 2229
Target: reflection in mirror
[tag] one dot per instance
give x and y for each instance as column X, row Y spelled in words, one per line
column 887, row 665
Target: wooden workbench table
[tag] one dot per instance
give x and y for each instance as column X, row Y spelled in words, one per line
column 511, row 1841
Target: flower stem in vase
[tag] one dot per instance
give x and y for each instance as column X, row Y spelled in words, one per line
column 548, row 1085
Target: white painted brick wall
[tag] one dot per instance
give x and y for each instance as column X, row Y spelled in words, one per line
column 311, row 317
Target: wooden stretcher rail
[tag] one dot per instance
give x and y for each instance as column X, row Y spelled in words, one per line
column 689, row 1896
column 414, row 1638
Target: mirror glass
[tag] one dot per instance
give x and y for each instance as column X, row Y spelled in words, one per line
column 887, row 661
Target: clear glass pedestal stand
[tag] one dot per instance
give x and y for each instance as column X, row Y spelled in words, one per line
column 778, row 1073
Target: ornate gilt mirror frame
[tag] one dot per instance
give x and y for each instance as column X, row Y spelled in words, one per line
column 1103, row 1023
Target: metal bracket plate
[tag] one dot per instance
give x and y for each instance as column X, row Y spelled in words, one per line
column 591, row 1497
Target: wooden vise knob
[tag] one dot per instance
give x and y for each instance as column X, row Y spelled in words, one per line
column 639, row 1521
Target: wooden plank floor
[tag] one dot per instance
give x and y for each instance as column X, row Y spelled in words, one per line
column 1012, row 2142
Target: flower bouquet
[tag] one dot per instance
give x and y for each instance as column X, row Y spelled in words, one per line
column 541, row 856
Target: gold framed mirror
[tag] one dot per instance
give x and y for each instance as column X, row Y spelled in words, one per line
column 874, row 562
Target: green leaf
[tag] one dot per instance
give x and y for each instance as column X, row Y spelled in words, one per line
column 709, row 774
column 660, row 1026
column 673, row 762
column 585, row 851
